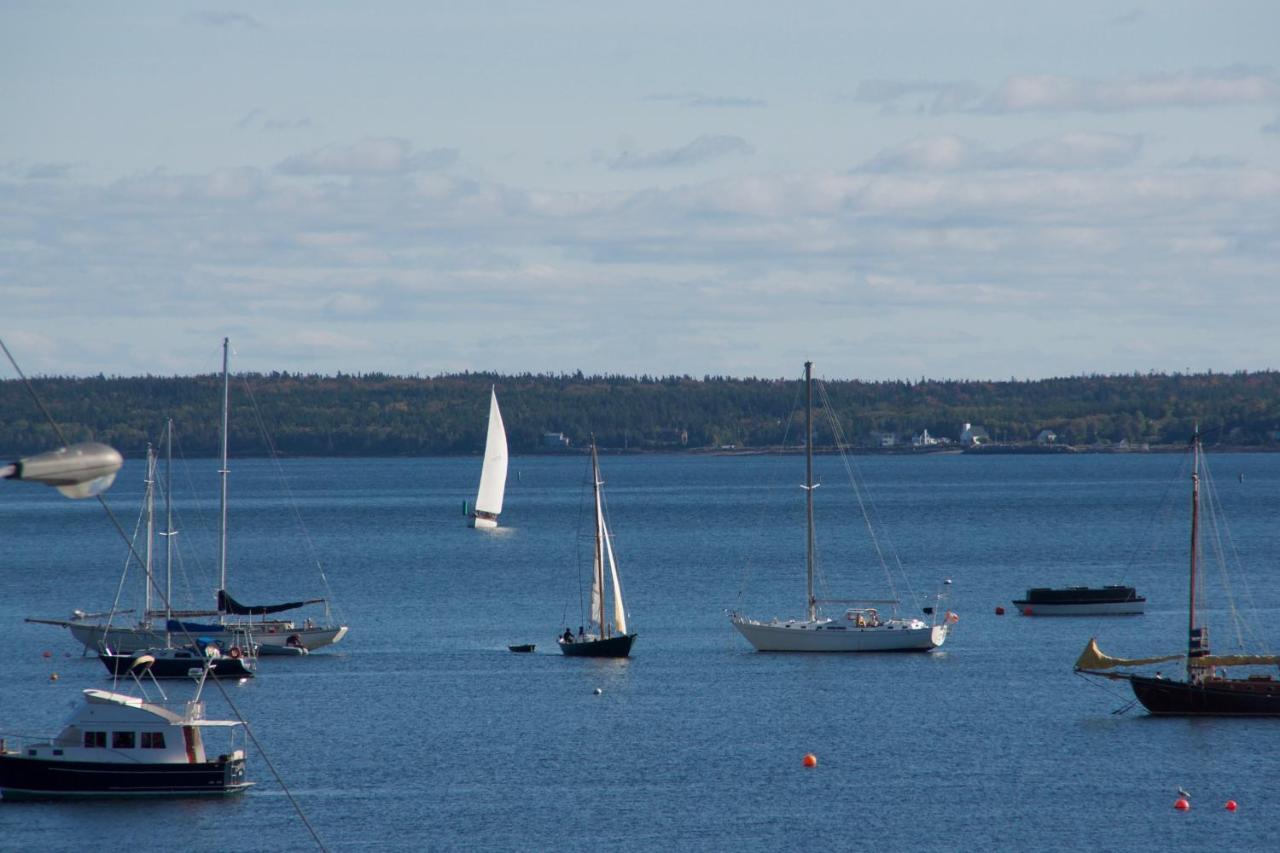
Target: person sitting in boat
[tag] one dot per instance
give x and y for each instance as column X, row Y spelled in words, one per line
column 568, row 636
column 581, row 634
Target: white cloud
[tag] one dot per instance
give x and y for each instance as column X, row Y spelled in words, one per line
column 701, row 150
column 384, row 156
column 1050, row 93
column 1076, row 151
column 934, row 154
column 697, row 100
column 48, row 171
column 1065, row 151
column 925, row 96
column 225, row 20
column 257, row 118
column 1055, row 93
column 381, row 264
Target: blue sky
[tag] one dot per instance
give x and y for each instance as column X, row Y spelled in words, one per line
column 978, row 190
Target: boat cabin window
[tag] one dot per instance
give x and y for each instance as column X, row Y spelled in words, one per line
column 153, row 740
column 95, row 739
column 122, row 740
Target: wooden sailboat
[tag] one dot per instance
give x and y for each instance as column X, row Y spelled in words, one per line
column 863, row 628
column 600, row 639
column 493, row 474
column 1206, row 688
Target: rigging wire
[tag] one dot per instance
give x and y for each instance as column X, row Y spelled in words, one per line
column 770, row 488
column 1227, row 555
column 577, row 550
column 1147, row 541
column 330, row 604
column 876, row 527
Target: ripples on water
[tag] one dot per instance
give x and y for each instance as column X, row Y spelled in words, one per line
column 420, row 731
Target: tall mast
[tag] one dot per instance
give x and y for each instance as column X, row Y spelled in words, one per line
column 1195, row 644
column 151, row 530
column 599, row 563
column 222, row 472
column 168, row 521
column 808, row 487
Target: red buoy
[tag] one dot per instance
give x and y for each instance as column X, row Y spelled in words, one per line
column 47, row 654
column 810, row 760
column 999, row 611
column 1231, row 805
column 1181, row 804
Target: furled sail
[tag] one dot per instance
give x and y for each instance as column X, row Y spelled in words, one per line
column 1238, row 660
column 1093, row 658
column 227, row 604
column 493, row 476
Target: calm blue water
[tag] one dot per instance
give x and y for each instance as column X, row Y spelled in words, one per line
column 420, row 731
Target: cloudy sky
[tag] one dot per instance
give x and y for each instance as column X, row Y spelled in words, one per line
column 895, row 190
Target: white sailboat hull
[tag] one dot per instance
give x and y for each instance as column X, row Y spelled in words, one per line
column 283, row 640
column 825, row 635
column 482, row 523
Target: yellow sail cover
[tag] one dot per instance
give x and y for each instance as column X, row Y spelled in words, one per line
column 1238, row 660
column 1092, row 658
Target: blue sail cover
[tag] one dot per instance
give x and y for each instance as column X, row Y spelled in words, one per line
column 227, row 604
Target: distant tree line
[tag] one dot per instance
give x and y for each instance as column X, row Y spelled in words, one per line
column 380, row 415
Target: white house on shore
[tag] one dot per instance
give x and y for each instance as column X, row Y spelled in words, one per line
column 924, row 440
column 972, row 436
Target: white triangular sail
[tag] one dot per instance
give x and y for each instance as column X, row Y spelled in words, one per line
column 493, row 476
column 619, row 615
column 603, row 554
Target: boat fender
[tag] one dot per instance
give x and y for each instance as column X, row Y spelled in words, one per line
column 234, row 651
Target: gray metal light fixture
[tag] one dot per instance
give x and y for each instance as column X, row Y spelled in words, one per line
column 79, row 471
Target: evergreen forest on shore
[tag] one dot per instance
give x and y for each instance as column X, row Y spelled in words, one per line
column 381, row 415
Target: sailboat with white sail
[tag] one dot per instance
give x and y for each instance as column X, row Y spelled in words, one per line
column 863, row 628
column 230, row 622
column 493, row 474
column 600, row 638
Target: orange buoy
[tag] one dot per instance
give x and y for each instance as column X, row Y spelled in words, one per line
column 999, row 611
column 1231, row 805
column 810, row 760
column 1181, row 804
column 46, row 653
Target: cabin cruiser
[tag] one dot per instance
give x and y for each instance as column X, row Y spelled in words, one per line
column 117, row 745
column 1113, row 600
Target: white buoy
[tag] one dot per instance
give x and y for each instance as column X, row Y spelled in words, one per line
column 597, row 691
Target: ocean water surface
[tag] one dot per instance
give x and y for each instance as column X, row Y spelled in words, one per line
column 420, row 731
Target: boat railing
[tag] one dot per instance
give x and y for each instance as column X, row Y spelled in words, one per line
column 17, row 744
